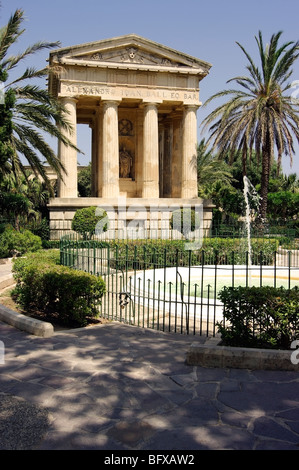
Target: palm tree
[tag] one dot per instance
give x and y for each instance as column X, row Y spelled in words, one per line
column 291, row 183
column 210, row 170
column 30, row 187
column 260, row 114
column 28, row 112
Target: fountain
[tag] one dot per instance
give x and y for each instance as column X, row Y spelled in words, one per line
column 249, row 190
column 247, row 216
column 190, row 294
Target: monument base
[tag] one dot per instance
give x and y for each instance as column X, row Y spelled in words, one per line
column 129, row 217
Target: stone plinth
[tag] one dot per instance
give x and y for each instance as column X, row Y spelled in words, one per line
column 148, row 216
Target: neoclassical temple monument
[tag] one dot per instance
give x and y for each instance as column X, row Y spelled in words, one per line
column 140, row 99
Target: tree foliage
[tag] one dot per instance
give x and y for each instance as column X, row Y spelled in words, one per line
column 210, row 171
column 29, row 113
column 86, row 219
column 260, row 114
column 84, row 181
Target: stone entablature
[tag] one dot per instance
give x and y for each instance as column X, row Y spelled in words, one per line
column 137, row 92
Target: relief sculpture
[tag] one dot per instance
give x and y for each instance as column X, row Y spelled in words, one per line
column 125, row 163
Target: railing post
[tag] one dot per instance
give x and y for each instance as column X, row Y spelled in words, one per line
column 176, row 288
column 215, row 294
column 275, row 273
column 289, row 270
column 247, row 267
column 201, row 293
column 261, row 268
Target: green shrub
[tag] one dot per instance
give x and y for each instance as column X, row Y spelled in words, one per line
column 259, row 317
column 147, row 254
column 14, row 242
column 5, row 226
column 234, row 250
column 40, row 228
column 71, row 297
column 50, row 244
column 144, row 254
column 85, row 221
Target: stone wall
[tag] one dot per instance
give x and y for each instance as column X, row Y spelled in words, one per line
column 148, row 216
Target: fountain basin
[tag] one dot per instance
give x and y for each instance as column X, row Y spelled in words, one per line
column 194, row 291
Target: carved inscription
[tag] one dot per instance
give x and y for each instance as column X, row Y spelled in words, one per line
column 107, row 92
column 85, row 90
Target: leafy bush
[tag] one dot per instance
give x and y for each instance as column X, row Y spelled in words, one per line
column 147, row 254
column 84, row 181
column 71, row 297
column 14, row 242
column 171, row 252
column 283, row 204
column 86, row 220
column 234, row 250
column 49, row 244
column 259, row 317
column 41, row 228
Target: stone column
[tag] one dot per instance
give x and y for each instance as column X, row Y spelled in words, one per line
column 168, row 157
column 150, row 152
column 110, row 150
column 189, row 156
column 176, row 173
column 68, row 185
column 99, row 151
column 94, row 163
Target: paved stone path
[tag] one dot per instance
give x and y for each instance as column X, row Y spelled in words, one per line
column 118, row 387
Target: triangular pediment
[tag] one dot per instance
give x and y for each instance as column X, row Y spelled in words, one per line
column 128, row 50
column 129, row 55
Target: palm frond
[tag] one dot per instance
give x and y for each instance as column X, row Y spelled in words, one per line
column 30, row 72
column 34, row 142
column 33, row 112
column 13, row 61
column 11, row 32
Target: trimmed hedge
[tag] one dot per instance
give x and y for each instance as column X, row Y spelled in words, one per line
column 233, row 250
column 148, row 253
column 14, row 242
column 259, row 317
column 70, row 297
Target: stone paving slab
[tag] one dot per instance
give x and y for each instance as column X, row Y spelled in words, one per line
column 123, row 388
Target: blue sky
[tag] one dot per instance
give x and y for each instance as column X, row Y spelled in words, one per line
column 204, row 29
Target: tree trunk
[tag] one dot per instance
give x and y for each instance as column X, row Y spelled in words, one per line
column 279, row 158
column 17, row 223
column 266, row 163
